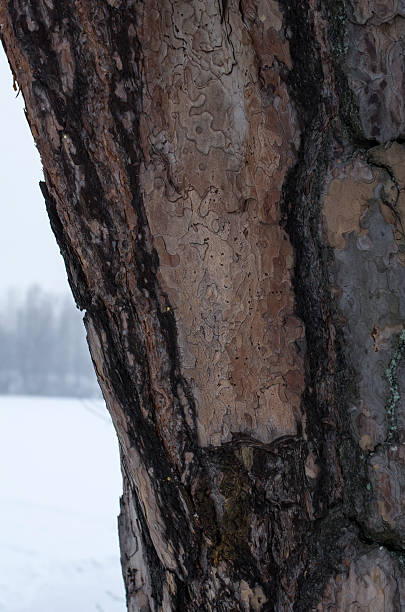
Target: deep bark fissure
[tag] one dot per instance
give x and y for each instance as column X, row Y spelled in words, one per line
column 302, row 193
column 329, row 425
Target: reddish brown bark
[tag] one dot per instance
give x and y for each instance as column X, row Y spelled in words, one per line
column 224, row 185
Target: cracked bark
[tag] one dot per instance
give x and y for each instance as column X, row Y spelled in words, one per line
column 225, row 182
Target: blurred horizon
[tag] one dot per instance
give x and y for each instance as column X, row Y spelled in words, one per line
column 59, row 464
column 43, row 349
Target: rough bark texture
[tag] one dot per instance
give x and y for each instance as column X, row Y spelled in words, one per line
column 226, row 184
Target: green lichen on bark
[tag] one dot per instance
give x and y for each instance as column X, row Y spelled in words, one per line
column 348, row 122
column 337, row 27
column 235, row 523
column 394, row 397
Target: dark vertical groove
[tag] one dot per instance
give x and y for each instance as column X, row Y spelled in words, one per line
column 328, row 373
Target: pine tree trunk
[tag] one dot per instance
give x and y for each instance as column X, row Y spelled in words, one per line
column 225, row 181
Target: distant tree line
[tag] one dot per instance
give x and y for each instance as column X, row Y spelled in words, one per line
column 43, row 349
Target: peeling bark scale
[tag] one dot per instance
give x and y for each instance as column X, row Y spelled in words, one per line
column 226, row 182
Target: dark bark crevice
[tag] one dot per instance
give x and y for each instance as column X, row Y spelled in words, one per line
column 74, row 270
column 338, row 493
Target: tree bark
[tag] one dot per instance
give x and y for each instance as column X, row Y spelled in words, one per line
column 225, row 182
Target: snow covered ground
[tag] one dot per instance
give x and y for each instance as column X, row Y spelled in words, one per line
column 60, row 484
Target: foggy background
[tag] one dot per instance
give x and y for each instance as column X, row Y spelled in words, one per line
column 60, row 477
column 43, row 350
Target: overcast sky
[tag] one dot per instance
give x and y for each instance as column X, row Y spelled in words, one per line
column 28, row 250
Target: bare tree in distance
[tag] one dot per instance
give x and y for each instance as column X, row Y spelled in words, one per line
column 43, row 349
column 226, row 184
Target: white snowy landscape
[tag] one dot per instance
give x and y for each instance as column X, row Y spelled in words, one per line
column 60, row 484
column 60, row 478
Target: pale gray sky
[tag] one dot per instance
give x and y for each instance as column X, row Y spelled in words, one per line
column 28, row 250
